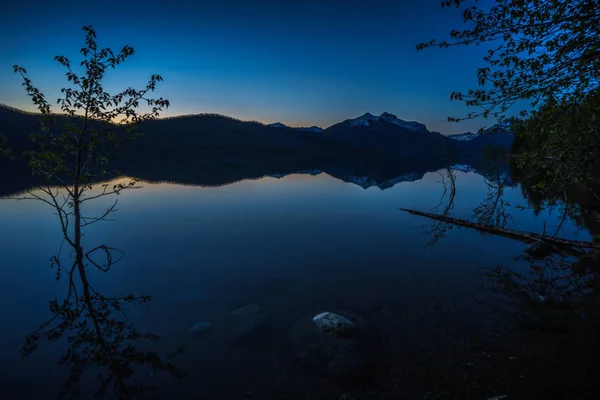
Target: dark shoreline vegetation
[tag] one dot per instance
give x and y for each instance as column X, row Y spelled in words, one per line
column 371, row 310
column 214, row 150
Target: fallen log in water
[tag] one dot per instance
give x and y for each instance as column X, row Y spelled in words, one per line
column 527, row 237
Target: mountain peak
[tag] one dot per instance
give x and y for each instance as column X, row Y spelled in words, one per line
column 367, row 118
column 496, row 129
column 278, row 125
column 311, row 129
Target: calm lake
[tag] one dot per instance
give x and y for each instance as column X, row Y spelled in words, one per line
column 294, row 246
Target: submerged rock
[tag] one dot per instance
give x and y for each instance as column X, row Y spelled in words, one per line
column 339, row 345
column 200, row 327
column 246, row 321
column 539, row 249
column 334, row 324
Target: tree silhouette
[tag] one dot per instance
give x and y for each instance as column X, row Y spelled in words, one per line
column 539, row 50
column 72, row 153
column 544, row 57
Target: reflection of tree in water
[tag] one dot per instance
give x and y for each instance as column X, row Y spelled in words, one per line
column 555, row 293
column 72, row 152
column 98, row 333
column 549, row 348
column 492, row 210
column 580, row 205
column 440, row 229
column 555, row 303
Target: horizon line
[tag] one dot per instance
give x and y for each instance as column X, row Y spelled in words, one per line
column 22, row 111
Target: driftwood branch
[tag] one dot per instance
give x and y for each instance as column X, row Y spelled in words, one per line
column 527, row 237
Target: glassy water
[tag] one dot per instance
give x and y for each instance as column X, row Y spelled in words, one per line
column 294, row 246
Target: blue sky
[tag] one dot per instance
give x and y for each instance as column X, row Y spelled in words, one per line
column 300, row 63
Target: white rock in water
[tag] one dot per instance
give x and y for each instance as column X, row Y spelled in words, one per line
column 334, row 323
column 200, row 327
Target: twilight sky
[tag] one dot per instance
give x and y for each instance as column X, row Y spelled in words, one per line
column 312, row 62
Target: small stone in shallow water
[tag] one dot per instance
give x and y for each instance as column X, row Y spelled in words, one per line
column 539, row 249
column 247, row 321
column 200, row 327
column 350, row 351
column 334, row 323
column 250, row 309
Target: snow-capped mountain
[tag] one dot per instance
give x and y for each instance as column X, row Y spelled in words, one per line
column 364, row 120
column 501, row 128
column 410, row 125
column 278, row 125
column 313, row 128
column 463, row 136
column 498, row 136
column 367, row 119
column 370, row 120
column 388, row 134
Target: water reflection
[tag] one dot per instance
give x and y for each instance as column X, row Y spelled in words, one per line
column 552, row 302
column 94, row 327
column 100, row 337
column 293, row 245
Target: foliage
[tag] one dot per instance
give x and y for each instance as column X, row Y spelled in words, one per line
column 556, row 158
column 4, row 151
column 546, row 54
column 543, row 64
column 560, row 146
column 538, row 50
column 72, row 153
column 77, row 148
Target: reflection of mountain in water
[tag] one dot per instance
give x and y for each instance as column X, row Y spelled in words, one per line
column 368, row 172
column 372, row 179
column 369, row 181
column 213, row 150
column 365, row 181
column 364, row 171
column 354, row 170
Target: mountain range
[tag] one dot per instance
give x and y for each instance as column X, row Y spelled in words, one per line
column 211, row 149
column 388, row 133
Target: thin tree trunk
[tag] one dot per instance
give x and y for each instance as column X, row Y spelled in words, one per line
column 77, row 192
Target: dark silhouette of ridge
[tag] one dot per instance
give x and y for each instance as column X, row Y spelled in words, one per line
column 212, row 149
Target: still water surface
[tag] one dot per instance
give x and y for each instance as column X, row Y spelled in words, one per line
column 296, row 245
